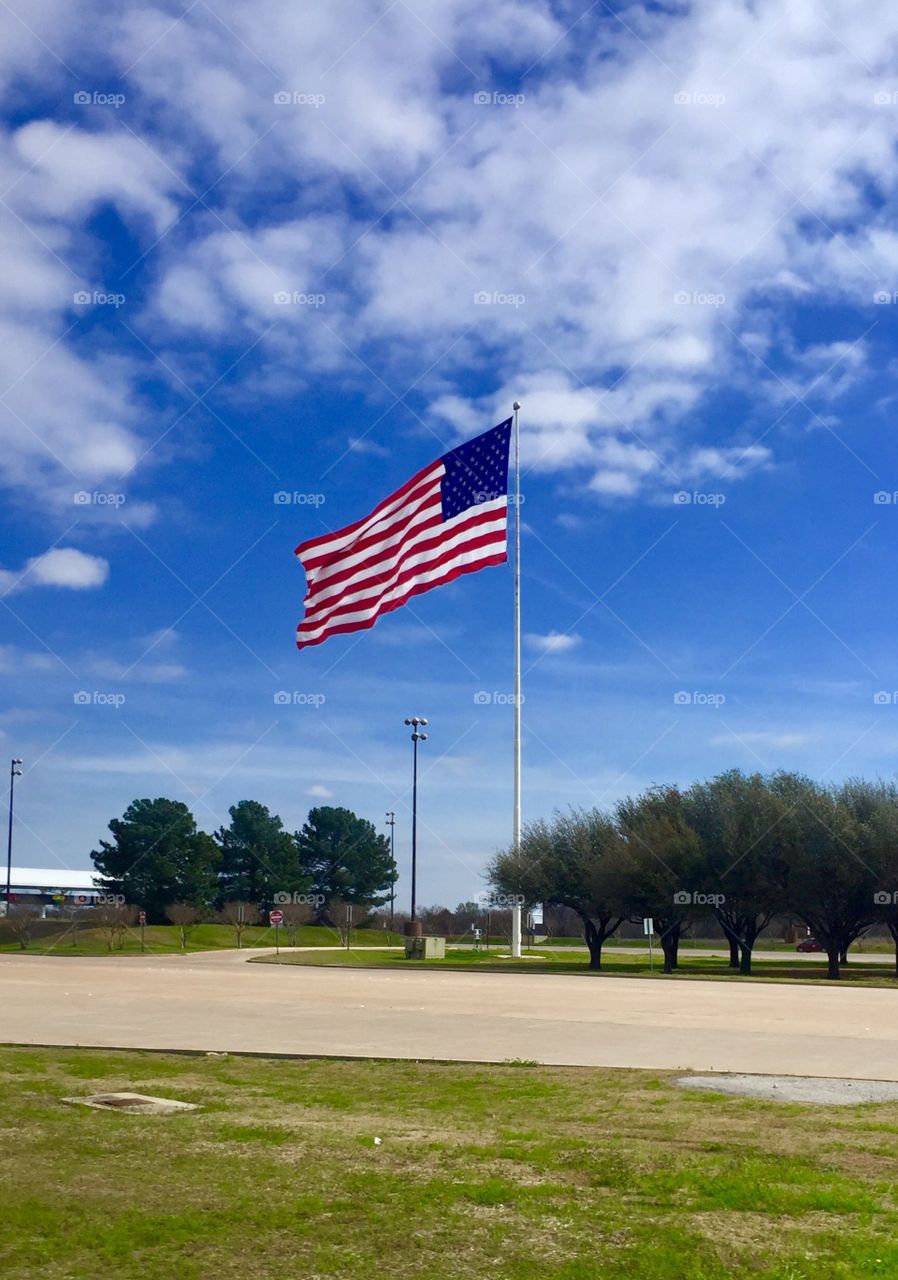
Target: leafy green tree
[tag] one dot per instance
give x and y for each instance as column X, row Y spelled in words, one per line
column 659, row 864
column 565, row 862
column 157, row 856
column 828, row 877
column 874, row 807
column 345, row 858
column 259, row 859
column 738, row 820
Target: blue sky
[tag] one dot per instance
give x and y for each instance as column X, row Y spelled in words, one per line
column 667, row 231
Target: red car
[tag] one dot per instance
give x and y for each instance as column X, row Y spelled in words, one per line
column 809, row 944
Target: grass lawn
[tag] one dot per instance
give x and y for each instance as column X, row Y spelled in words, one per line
column 867, row 971
column 515, row 1172
column 163, row 938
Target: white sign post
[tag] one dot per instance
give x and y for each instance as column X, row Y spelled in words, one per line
column 648, row 928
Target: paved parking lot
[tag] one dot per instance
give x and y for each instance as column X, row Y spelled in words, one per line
column 218, row 1001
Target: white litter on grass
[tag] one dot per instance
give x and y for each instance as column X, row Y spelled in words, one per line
column 821, row 1090
column 133, row 1104
column 378, row 1141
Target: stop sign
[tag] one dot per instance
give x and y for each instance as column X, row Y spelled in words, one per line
column 275, row 917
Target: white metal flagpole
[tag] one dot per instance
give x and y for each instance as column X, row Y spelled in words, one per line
column 516, row 909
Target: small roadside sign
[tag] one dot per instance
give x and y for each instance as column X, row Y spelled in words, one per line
column 648, row 928
column 142, row 918
column 275, row 918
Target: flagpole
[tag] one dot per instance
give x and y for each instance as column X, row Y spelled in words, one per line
column 516, row 910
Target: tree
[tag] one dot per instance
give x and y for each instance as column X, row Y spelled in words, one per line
column 74, row 917
column 186, row 916
column 239, row 916
column 345, row 857
column 874, row 806
column 112, row 919
column 258, row 857
column 340, row 913
column 295, row 914
column 158, row 856
column 565, row 862
column 829, row 883
column 658, row 865
column 19, row 922
column 738, row 820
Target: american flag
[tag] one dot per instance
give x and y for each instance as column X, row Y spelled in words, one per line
column 449, row 519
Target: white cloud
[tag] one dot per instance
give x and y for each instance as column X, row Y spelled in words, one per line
column 59, row 567
column 553, row 642
column 319, row 792
column 661, row 185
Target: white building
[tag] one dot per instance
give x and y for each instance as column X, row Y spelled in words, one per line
column 48, row 887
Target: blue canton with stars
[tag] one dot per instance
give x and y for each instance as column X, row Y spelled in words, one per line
column 476, row 471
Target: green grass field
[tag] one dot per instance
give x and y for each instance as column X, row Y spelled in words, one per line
column 515, row 1172
column 860, row 970
column 163, row 938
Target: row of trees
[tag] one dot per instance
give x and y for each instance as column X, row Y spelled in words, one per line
column 742, row 848
column 157, row 857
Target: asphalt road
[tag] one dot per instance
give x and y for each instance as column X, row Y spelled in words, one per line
column 217, row 1001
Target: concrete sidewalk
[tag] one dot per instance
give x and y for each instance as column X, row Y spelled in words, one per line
column 218, row 1001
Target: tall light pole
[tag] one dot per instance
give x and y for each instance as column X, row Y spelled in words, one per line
column 417, row 737
column 391, row 823
column 14, row 772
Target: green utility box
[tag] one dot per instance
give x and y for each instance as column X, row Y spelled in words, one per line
column 425, row 948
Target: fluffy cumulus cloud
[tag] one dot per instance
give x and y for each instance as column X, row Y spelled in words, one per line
column 607, row 215
column 58, row 567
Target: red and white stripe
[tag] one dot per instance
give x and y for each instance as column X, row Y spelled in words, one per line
column 403, row 548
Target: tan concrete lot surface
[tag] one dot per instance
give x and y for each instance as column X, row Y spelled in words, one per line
column 218, row 1001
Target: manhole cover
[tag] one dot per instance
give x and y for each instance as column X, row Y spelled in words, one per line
column 134, row 1103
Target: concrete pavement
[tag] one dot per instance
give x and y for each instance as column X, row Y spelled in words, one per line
column 218, row 1001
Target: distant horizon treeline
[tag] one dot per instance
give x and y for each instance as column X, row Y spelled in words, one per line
column 741, row 848
column 158, row 857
